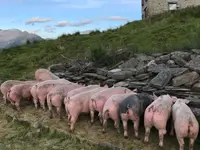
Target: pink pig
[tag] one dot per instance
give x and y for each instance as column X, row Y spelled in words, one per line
column 111, row 110
column 79, row 104
column 19, row 91
column 45, row 74
column 185, row 123
column 98, row 100
column 157, row 115
column 5, row 87
column 56, row 96
column 44, row 87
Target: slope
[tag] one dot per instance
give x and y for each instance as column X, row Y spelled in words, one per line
column 165, row 32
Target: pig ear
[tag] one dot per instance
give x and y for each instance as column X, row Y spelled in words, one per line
column 174, row 98
column 154, row 96
column 105, row 86
column 135, row 90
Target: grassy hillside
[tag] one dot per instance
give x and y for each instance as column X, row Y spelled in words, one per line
column 165, row 32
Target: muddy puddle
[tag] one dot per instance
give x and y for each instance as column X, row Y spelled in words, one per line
column 55, row 134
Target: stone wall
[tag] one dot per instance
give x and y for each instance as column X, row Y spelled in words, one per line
column 176, row 73
column 160, row 6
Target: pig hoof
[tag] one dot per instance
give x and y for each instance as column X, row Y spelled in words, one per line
column 138, row 138
column 126, row 137
column 103, row 131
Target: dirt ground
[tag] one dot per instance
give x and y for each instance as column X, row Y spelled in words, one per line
column 15, row 135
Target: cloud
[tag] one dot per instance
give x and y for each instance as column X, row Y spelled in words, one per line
column 76, row 24
column 115, row 18
column 37, row 20
column 62, row 24
column 49, row 29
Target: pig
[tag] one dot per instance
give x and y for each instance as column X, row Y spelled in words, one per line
column 44, row 74
column 79, row 104
column 80, row 90
column 5, row 87
column 132, row 107
column 97, row 100
column 184, row 122
column 157, row 115
column 44, row 87
column 18, row 92
column 56, row 96
column 111, row 110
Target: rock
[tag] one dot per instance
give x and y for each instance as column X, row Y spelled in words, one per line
column 178, row 71
column 162, row 58
column 196, row 87
column 157, row 68
column 195, row 102
column 194, row 64
column 110, row 82
column 57, row 68
column 60, row 74
column 110, row 73
column 142, row 77
column 94, row 75
column 121, row 75
column 181, row 54
column 133, row 70
column 176, row 89
column 196, row 111
column 133, row 85
column 156, row 54
column 140, row 65
column 102, row 72
column 162, row 79
column 196, row 51
column 131, row 63
column 143, row 57
column 77, row 78
column 190, row 84
column 122, row 84
column 148, row 88
column 178, row 60
column 185, row 78
column 170, row 63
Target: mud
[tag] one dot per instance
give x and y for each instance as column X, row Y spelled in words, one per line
column 32, row 129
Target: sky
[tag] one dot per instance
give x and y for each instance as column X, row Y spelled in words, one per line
column 52, row 18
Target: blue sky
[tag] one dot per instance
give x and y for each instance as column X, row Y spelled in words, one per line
column 51, row 18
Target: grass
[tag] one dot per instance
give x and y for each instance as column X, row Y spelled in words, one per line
column 179, row 30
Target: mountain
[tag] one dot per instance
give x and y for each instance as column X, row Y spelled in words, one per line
column 15, row 37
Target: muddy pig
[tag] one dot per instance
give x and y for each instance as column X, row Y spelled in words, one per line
column 131, row 108
column 44, row 87
column 98, row 100
column 79, row 104
column 56, row 96
column 18, row 92
column 111, row 110
column 157, row 115
column 185, row 123
column 45, row 74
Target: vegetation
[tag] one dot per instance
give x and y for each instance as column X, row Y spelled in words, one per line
column 165, row 32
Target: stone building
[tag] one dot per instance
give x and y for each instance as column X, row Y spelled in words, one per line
column 152, row 7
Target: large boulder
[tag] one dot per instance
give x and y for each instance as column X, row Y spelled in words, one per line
column 185, row 78
column 194, row 64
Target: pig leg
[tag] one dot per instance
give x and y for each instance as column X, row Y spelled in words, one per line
column 172, row 128
column 35, row 102
column 42, row 104
column 181, row 143
column 105, row 117
column 100, row 117
column 116, row 124
column 162, row 132
column 136, row 127
column 147, row 133
column 5, row 100
column 59, row 112
column 72, row 122
column 92, row 116
column 191, row 144
column 125, row 128
column 50, row 110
